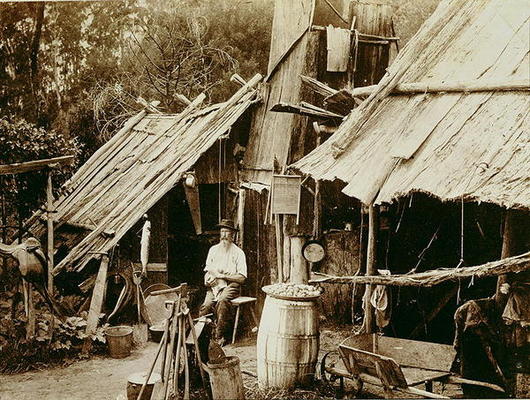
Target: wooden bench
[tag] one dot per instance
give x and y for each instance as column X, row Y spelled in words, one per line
column 238, row 302
column 398, row 365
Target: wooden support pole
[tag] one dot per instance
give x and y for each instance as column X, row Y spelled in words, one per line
column 241, row 216
column 279, row 246
column 299, row 272
column 28, row 166
column 30, row 306
column 317, row 203
column 514, row 242
column 370, row 267
column 286, row 251
column 96, row 302
column 49, row 220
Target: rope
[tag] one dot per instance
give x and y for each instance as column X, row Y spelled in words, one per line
column 461, row 262
column 219, row 179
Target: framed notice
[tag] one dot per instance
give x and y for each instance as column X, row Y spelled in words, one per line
column 286, row 194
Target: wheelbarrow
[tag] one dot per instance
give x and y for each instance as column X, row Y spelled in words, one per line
column 396, row 365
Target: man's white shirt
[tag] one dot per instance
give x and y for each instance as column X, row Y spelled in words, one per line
column 226, row 261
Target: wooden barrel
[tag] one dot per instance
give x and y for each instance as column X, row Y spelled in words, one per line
column 288, row 342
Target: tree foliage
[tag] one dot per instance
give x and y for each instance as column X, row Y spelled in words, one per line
column 23, row 141
column 184, row 48
column 72, row 72
column 409, row 15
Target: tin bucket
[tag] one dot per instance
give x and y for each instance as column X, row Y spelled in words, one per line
column 135, row 382
column 119, row 340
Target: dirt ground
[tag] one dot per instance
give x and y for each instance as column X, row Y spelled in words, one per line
column 105, row 378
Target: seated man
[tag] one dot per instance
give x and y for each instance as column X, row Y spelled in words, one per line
column 226, row 270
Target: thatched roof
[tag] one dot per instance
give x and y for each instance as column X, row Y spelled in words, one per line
column 474, row 145
column 132, row 171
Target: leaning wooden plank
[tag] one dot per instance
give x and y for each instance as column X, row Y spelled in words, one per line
column 434, row 312
column 430, row 278
column 306, row 111
column 96, row 302
column 318, row 86
column 18, row 168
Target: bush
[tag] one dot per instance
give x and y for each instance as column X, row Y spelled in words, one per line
column 19, row 353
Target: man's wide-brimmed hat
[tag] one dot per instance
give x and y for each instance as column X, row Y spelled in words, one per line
column 227, row 223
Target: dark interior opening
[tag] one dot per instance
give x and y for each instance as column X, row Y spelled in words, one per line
column 187, row 251
column 423, row 233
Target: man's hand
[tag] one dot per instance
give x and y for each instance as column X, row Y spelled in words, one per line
column 209, row 279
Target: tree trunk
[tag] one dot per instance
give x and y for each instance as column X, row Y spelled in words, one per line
column 34, row 54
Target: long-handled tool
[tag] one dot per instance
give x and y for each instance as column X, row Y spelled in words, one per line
column 177, row 356
column 186, row 368
column 197, row 352
column 174, row 351
column 171, row 360
column 160, row 346
column 140, row 330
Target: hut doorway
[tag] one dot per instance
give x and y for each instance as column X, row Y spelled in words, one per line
column 187, row 250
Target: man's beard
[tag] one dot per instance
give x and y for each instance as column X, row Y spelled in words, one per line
column 225, row 242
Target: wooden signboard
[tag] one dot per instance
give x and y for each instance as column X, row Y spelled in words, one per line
column 286, row 194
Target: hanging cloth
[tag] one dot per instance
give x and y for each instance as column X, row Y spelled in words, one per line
column 338, row 46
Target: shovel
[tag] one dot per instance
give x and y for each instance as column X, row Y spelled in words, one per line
column 140, row 331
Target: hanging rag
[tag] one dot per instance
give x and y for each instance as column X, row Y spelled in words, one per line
column 380, row 300
column 517, row 308
column 338, row 47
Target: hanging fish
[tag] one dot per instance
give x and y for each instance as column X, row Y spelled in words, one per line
column 144, row 244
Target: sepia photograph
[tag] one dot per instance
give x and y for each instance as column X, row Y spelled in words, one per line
column 264, row 199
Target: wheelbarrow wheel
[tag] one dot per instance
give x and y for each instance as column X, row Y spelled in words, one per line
column 329, row 378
